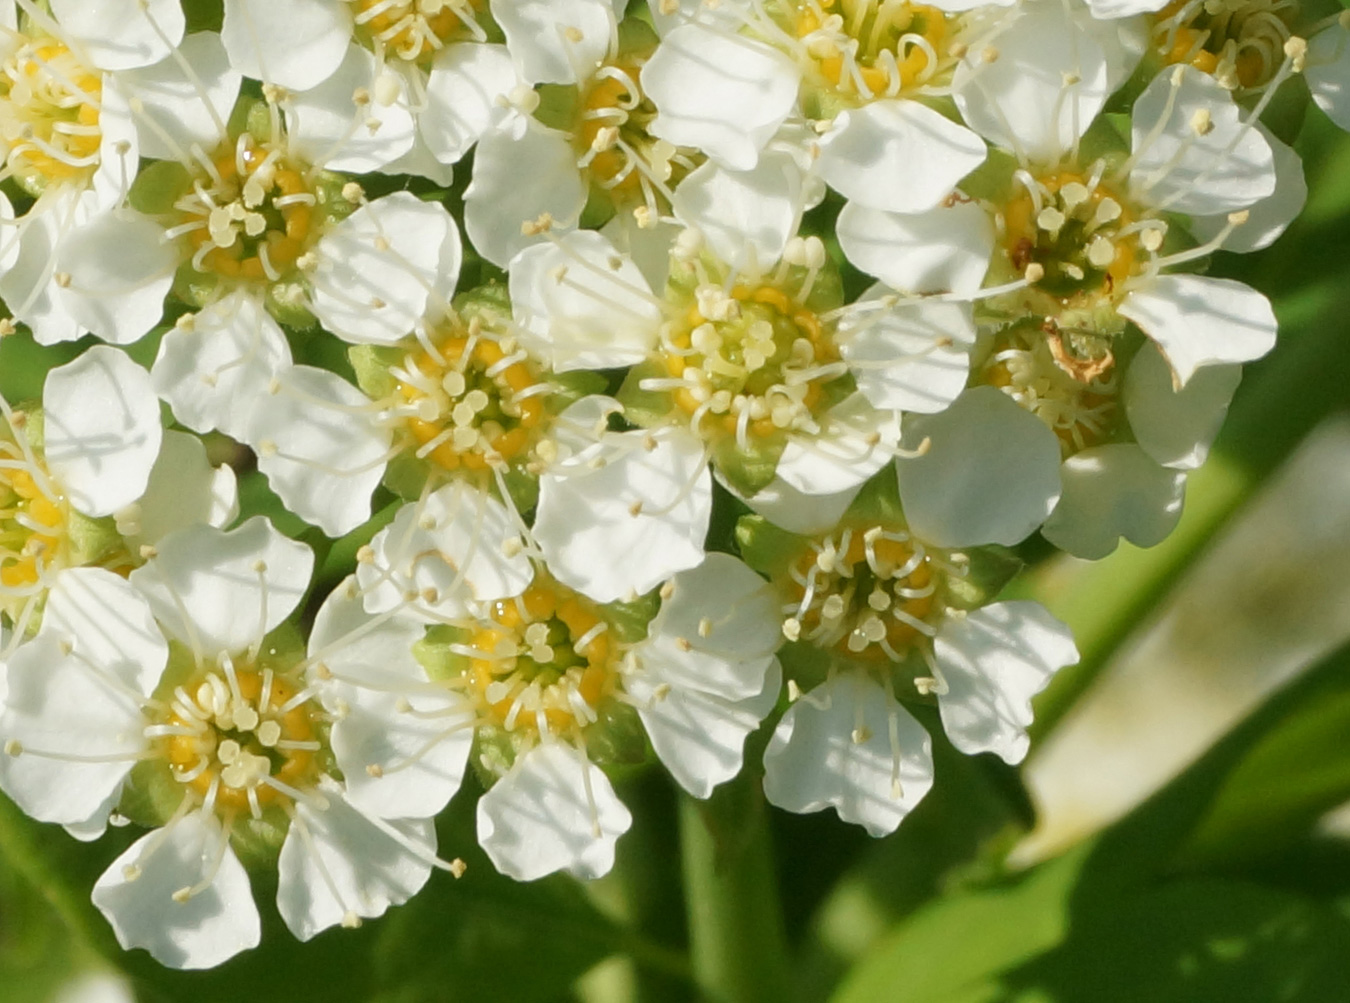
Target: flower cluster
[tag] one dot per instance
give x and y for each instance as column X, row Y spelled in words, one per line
column 892, row 286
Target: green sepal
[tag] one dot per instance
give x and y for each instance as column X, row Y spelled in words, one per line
column 629, row 620
column 993, row 179
column 645, row 408
column 434, row 655
column 371, row 365
column 158, row 186
column 767, row 548
column 490, row 302
column 878, row 502
column 618, row 737
column 749, row 470
column 991, row 568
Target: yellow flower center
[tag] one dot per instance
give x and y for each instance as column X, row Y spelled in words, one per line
column 543, row 663
column 868, row 594
column 1239, row 42
column 415, row 30
column 250, row 215
column 248, row 733
column 33, row 519
column 49, row 114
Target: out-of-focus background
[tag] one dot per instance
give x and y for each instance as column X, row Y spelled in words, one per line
column 1180, row 832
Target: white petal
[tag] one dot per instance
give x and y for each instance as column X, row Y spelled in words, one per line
column 1020, row 100
column 118, row 151
column 554, row 811
column 110, row 625
column 214, row 373
column 221, row 592
column 991, row 473
column 556, row 41
column 1328, row 73
column 912, row 356
column 583, row 304
column 1176, row 166
column 1110, row 492
column 101, row 429
column 122, row 34
column 329, row 127
column 516, row 180
column 116, row 271
column 178, row 109
column 849, row 745
column 345, row 851
column 184, row 489
column 9, row 238
column 797, row 512
column 1199, row 321
column 700, row 737
column 419, row 757
column 201, row 932
column 377, row 267
column 295, row 44
column 716, row 633
column 623, row 529
column 1111, row 9
column 874, row 145
column 746, row 217
column 58, row 704
column 1176, row 427
column 722, row 93
column 29, row 288
column 451, row 546
column 464, row 97
column 856, row 440
column 993, row 661
column 1269, row 217
column 944, row 249
column 322, row 453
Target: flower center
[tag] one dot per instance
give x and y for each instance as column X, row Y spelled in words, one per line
column 476, row 401
column 866, row 49
column 248, row 734
column 867, row 594
column 752, row 363
column 1240, row 42
column 49, row 114
column 415, row 30
column 250, row 215
column 1075, row 237
column 33, row 518
column 1065, row 380
column 542, row 663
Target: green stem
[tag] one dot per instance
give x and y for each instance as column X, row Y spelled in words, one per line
column 737, row 942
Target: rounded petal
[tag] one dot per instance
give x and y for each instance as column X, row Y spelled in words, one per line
column 295, row 44
column 336, row 849
column 377, row 267
column 583, row 304
column 910, row 356
column 698, row 736
column 1175, row 427
column 215, row 369
column 122, row 34
column 322, row 453
column 110, row 625
column 849, row 745
column 1110, row 492
column 347, row 122
column 29, row 288
column 1176, row 166
column 942, row 250
column 184, row 101
column 556, row 41
column 399, row 740
column 113, row 274
column 719, row 92
column 797, row 512
column 1199, row 321
column 184, row 489
column 101, row 429
column 716, row 632
column 990, row 475
column 1328, row 73
column 874, row 145
column 855, row 441
column 517, row 180
column 993, row 661
column 1021, row 100
column 1268, row 218
column 136, row 894
column 623, row 529
column 464, row 92
column 222, row 592
column 58, row 705
column 747, row 217
column 555, row 811
column 450, row 549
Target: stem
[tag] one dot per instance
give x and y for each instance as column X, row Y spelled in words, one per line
column 736, row 936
